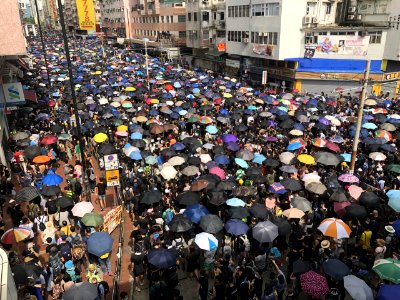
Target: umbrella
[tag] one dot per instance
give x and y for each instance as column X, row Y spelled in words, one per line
column 300, row 266
column 20, row 136
column 335, row 268
column 284, row 227
column 32, row 152
column 151, row 197
column 161, row 258
column 199, row 185
column 64, row 201
column 180, row 224
column 41, row 159
column 27, row 194
column 259, row 210
column 293, row 213
column 388, row 269
column 188, row 198
column 50, row 190
column 206, row 241
column 357, row 288
column 314, row 284
column 286, row 157
column 190, row 171
column 168, row 172
column 393, row 167
column 176, row 161
column 52, row 179
column 355, row 191
column 292, row 184
column 316, row 188
column 265, row 231
column 13, row 235
column 235, row 202
column 236, row 227
column 301, row 203
column 369, row 199
column 349, row 178
column 241, row 163
column 211, row 223
column 99, row 243
column 195, row 212
column 238, row 212
column 327, row 158
column 218, row 171
column 92, row 219
column 387, row 292
column 356, row 211
column 334, row 228
column 100, row 137
column 81, row 208
column 49, row 139
column 81, row 291
column 377, row 156
column 306, row 159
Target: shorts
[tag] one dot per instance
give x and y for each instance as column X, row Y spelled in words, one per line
column 102, row 197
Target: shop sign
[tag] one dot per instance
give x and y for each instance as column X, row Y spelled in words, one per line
column 342, row 45
column 391, row 76
column 232, row 63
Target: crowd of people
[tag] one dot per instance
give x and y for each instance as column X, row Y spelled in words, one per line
column 233, row 191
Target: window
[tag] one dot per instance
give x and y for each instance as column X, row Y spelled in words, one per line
column 236, row 11
column 230, row 11
column 181, row 18
column 328, row 8
column 258, row 10
column 266, row 38
column 222, row 16
column 221, row 34
column 182, row 34
column 206, row 35
column 267, row 9
column 375, row 37
column 310, row 38
column 310, row 10
column 205, row 16
column 189, row 17
column 195, row 16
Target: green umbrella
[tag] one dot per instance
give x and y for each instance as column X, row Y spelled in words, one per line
column 193, row 119
column 92, row 219
column 64, row 136
column 151, row 160
column 388, row 269
column 394, row 168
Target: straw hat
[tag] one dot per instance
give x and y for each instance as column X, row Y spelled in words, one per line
column 325, row 244
column 380, row 242
column 49, row 225
column 390, row 229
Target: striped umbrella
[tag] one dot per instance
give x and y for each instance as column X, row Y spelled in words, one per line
column 334, row 228
column 15, row 235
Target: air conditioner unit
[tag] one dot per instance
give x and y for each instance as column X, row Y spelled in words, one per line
column 265, row 34
column 352, row 9
column 245, row 40
column 307, row 20
column 314, row 20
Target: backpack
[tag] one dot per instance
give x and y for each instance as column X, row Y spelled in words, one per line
column 105, row 286
column 32, row 211
column 72, row 273
column 41, row 225
column 169, row 215
column 65, row 251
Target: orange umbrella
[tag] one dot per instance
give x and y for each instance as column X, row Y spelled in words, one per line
column 41, row 159
column 319, row 142
column 293, row 213
column 334, row 228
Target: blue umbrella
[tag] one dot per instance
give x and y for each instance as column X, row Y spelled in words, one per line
column 388, row 292
column 99, row 243
column 235, row 202
column 136, row 136
column 233, row 146
column 258, row 158
column 346, row 157
column 242, row 163
column 52, row 179
column 178, row 146
column 211, row 129
column 236, row 227
column 195, row 212
column 337, row 139
column 161, row 258
column 135, row 155
column 228, row 138
column 277, row 188
column 369, row 126
column 396, row 226
column 252, row 107
column 221, row 159
column 196, row 91
column 294, row 146
column 183, row 112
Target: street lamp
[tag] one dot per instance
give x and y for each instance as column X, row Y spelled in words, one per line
column 146, row 62
column 74, row 102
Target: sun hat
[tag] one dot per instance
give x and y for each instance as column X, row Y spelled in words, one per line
column 325, row 244
column 390, row 229
column 49, row 224
column 380, row 242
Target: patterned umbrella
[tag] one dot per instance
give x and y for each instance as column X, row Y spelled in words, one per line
column 27, row 194
column 350, row 178
column 334, row 228
column 15, row 235
column 314, row 284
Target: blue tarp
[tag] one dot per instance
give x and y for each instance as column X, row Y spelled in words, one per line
column 336, row 65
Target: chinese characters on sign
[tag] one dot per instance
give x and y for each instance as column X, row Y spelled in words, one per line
column 87, row 20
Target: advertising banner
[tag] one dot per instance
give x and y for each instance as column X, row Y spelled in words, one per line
column 86, row 15
column 261, row 49
column 112, row 219
column 343, row 45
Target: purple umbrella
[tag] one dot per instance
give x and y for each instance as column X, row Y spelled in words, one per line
column 233, row 146
column 227, row 138
column 324, row 121
column 271, row 138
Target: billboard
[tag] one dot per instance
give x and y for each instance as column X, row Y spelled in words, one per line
column 264, row 50
column 343, row 45
column 13, row 94
column 86, row 15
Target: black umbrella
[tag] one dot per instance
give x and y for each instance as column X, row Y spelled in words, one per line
column 271, row 162
column 241, row 128
column 211, row 223
column 180, row 224
column 138, row 143
column 292, row 184
column 217, row 197
column 151, row 197
column 335, row 268
column 301, row 266
column 83, row 291
column 168, row 152
column 284, row 227
column 188, row 198
column 226, row 185
column 161, row 258
column 64, row 201
column 106, row 149
column 238, row 212
column 20, row 275
column 218, row 150
column 338, row 196
column 56, row 128
column 194, row 160
column 369, row 199
column 356, row 211
column 27, row 194
column 259, row 210
column 32, row 151
column 253, row 171
column 52, row 190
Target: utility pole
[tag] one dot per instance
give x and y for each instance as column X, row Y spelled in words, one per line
column 360, row 117
column 147, row 63
column 74, row 102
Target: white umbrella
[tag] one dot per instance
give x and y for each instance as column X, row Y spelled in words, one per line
column 378, row 156
column 206, row 241
column 103, row 101
column 176, row 161
column 205, row 158
column 286, row 157
column 265, row 232
column 168, row 172
column 190, row 171
column 311, row 177
column 357, row 288
column 81, row 208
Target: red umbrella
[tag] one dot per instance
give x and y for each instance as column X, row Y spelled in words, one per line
column 51, row 103
column 332, row 146
column 169, row 87
column 219, row 172
column 218, row 101
column 49, row 139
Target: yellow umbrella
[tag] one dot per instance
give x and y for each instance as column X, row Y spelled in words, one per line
column 100, row 137
column 122, row 128
column 154, row 101
column 227, row 95
column 296, row 132
column 141, row 119
column 97, row 73
column 130, row 89
column 259, row 101
column 306, row 159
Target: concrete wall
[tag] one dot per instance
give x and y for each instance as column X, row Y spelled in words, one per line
column 10, row 22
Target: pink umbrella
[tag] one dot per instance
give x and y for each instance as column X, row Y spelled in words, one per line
column 348, row 178
column 355, row 191
column 219, row 172
column 314, row 284
column 122, row 133
column 339, row 207
column 333, row 147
